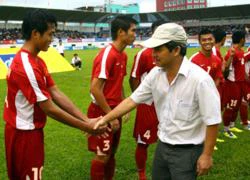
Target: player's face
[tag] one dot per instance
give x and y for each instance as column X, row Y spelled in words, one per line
column 45, row 39
column 162, row 56
column 130, row 34
column 207, row 42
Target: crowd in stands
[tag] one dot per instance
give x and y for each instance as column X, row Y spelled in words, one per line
column 13, row 34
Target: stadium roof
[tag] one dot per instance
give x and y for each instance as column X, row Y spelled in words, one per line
column 226, row 12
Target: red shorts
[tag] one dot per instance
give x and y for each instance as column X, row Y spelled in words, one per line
column 145, row 130
column 24, row 153
column 233, row 92
column 100, row 145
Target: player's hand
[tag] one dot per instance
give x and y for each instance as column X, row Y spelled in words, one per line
column 100, row 129
column 115, row 125
column 232, row 51
column 126, row 117
column 204, row 163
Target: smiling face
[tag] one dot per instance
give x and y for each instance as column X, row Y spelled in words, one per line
column 207, row 42
column 43, row 41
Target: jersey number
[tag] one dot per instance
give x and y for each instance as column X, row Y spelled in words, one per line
column 147, row 134
column 106, row 145
column 37, row 173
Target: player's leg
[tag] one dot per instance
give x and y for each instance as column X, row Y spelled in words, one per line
column 140, row 159
column 232, row 100
column 24, row 146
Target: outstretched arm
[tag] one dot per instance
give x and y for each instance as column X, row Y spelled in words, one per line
column 62, row 116
column 124, row 107
column 61, row 100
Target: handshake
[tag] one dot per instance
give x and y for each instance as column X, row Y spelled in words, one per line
column 100, row 125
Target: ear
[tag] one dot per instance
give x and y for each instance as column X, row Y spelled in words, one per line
column 177, row 51
column 120, row 32
column 35, row 34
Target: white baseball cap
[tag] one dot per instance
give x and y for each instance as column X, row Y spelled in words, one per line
column 165, row 33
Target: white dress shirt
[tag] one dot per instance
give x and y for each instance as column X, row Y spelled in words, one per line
column 185, row 107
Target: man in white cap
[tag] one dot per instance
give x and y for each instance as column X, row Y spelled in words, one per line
column 187, row 104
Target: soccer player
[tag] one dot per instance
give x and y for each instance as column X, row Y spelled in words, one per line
column 109, row 69
column 187, row 104
column 235, row 84
column 31, row 95
column 206, row 59
column 145, row 129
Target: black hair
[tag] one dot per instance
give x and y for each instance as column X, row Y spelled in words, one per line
column 172, row 45
column 121, row 22
column 37, row 19
column 157, row 23
column 204, row 31
column 219, row 35
column 237, row 36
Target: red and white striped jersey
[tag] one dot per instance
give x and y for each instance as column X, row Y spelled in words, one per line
column 143, row 63
column 237, row 66
column 28, row 81
column 110, row 64
column 217, row 53
column 212, row 65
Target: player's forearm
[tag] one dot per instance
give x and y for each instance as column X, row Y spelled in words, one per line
column 58, row 114
column 101, row 100
column 210, row 139
column 124, row 107
column 67, row 105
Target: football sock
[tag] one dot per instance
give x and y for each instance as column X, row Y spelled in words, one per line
column 141, row 158
column 243, row 114
column 110, row 168
column 97, row 170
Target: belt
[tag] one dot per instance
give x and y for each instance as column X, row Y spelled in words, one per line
column 182, row 145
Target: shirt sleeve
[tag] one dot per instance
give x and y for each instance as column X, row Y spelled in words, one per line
column 138, row 65
column 209, row 102
column 143, row 94
column 33, row 85
column 103, row 65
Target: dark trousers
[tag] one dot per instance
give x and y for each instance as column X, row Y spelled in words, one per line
column 175, row 162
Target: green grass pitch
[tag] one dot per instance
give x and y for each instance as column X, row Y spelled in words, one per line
column 66, row 155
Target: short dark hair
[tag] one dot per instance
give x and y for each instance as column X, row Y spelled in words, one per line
column 204, row 31
column 237, row 36
column 37, row 19
column 219, row 34
column 172, row 45
column 157, row 23
column 121, row 22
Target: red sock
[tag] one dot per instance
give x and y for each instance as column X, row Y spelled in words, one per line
column 141, row 158
column 110, row 168
column 243, row 113
column 229, row 115
column 97, row 170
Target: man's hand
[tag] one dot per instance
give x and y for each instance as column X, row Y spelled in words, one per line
column 204, row 163
column 96, row 130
